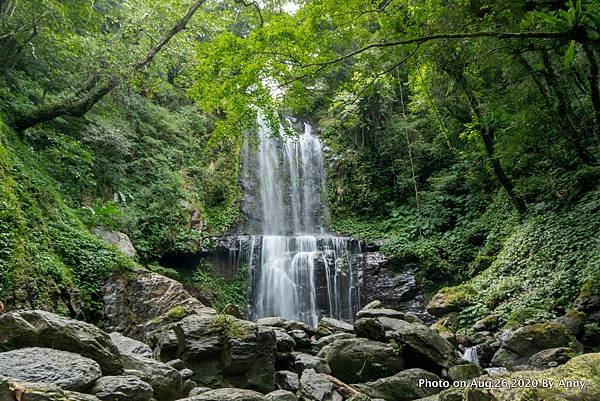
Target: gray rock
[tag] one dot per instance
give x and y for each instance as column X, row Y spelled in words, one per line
column 118, row 239
column 177, row 364
column 371, row 328
column 552, row 357
column 285, row 342
column 40, row 392
column 186, row 373
column 360, row 360
column 227, row 394
column 122, row 388
column 519, row 345
column 421, row 345
column 305, row 361
column 65, row 370
column 287, row 380
column 317, row 387
column 465, row 371
column 323, row 341
column 34, row 328
column 166, row 381
column 328, row 326
column 402, row 386
column 141, row 301
column 271, row 321
column 291, row 325
column 127, row 345
column 300, row 338
column 281, row 395
column 376, row 304
column 374, row 313
column 199, row 390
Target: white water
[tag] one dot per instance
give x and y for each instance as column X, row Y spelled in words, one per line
column 301, row 272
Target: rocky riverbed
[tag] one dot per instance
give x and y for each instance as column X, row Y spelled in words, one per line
column 161, row 344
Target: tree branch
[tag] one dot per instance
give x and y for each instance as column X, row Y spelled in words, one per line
column 255, row 5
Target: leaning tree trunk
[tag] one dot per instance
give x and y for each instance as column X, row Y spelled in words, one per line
column 78, row 104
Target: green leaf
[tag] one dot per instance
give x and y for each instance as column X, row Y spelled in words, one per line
column 569, row 54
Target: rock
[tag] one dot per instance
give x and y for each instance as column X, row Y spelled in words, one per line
column 221, row 351
column 228, row 394
column 371, row 328
column 488, row 323
column 286, row 380
column 465, row 371
column 450, row 299
column 65, row 370
column 376, row 304
column 116, row 238
column 317, row 387
column 122, row 388
column 553, row 356
column 284, row 341
column 396, row 288
column 39, row 392
column 402, row 386
column 573, row 320
column 300, row 338
column 271, row 321
column 167, row 382
column 186, row 373
column 581, row 369
column 305, row 361
column 177, row 364
column 328, row 326
column 519, row 345
column 198, row 391
column 323, row 341
column 293, row 325
column 422, row 346
column 360, row 360
column 233, row 310
column 127, row 345
column 34, row 328
column 375, row 313
column 281, row 395
column 136, row 299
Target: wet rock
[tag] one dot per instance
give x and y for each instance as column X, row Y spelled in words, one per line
column 127, row 345
column 116, row 238
column 370, row 328
column 281, row 395
column 122, row 388
column 323, row 341
column 402, row 386
column 465, row 371
column 221, row 350
column 228, row 394
column 36, row 328
column 553, row 356
column 422, row 346
column 376, row 304
column 361, row 360
column 287, row 380
column 65, row 370
column 271, row 321
column 519, row 345
column 300, row 338
column 136, row 301
column 375, row 313
column 328, row 326
column 317, row 387
column 305, row 361
column 293, row 325
column 166, row 381
column 285, row 342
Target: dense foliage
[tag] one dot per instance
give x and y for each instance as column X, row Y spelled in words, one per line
column 464, row 133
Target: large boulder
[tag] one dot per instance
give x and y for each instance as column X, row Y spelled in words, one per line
column 127, row 345
column 281, row 395
column 135, row 301
column 577, row 380
column 222, row 351
column 228, row 394
column 451, row 299
column 35, row 328
column 361, row 360
column 371, row 328
column 328, row 326
column 519, row 345
column 317, row 387
column 118, row 239
column 323, row 341
column 305, row 361
column 287, row 380
column 25, row 391
column 66, row 370
column 552, row 357
column 403, row 386
column 166, row 382
column 122, row 388
column 422, row 347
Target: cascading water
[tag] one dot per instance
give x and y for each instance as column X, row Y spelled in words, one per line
column 297, row 270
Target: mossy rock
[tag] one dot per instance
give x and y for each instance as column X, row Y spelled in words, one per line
column 451, row 299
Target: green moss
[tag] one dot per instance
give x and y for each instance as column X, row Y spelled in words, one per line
column 177, row 313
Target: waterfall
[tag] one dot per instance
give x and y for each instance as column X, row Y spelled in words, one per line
column 297, row 269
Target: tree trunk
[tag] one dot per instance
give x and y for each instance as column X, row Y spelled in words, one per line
column 487, row 135
column 78, row 104
column 594, row 78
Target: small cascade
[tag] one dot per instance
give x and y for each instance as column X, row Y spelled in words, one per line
column 296, row 269
column 471, row 355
